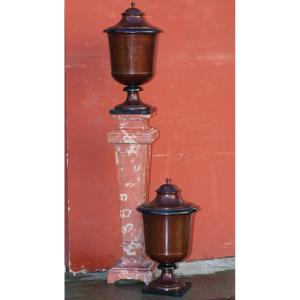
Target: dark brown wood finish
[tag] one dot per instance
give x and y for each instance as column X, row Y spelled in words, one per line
column 167, row 242
column 167, row 237
column 167, row 224
column 132, row 57
column 132, row 46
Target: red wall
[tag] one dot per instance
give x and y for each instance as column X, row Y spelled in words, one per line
column 193, row 91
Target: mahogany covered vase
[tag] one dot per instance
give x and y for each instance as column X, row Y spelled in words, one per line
column 132, row 46
column 167, row 223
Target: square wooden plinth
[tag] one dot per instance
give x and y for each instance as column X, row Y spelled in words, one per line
column 169, row 293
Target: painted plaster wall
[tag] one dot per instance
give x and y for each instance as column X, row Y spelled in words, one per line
column 193, row 91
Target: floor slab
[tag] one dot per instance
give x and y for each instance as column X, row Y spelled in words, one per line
column 218, row 286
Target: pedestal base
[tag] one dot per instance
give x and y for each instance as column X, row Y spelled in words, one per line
column 179, row 293
column 144, row 272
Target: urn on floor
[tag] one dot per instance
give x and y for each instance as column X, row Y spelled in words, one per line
column 167, row 222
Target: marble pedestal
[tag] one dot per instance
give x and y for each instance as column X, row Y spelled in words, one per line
column 132, row 140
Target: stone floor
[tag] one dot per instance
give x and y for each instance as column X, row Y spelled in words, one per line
column 218, row 286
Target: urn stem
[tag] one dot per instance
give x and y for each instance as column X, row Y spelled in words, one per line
column 133, row 96
column 167, row 275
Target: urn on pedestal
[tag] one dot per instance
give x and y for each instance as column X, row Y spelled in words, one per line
column 132, row 46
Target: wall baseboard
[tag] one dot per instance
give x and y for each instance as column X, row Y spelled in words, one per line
column 188, row 268
column 202, row 267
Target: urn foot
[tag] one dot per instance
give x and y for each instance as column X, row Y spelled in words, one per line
column 133, row 104
column 167, row 283
column 178, row 293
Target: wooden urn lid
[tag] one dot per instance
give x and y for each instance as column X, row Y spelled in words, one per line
column 133, row 21
column 167, row 202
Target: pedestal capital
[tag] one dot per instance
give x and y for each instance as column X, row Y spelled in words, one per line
column 132, row 129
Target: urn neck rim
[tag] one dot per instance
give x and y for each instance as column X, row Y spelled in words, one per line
column 167, row 212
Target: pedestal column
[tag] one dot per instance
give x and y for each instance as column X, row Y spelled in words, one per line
column 132, row 140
